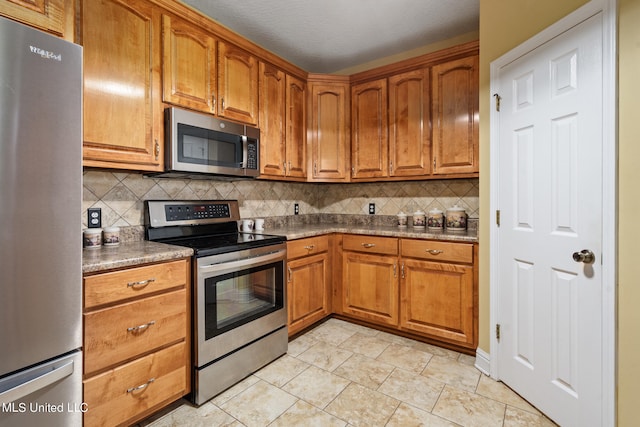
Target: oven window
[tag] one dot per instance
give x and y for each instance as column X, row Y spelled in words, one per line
column 237, row 298
column 208, row 147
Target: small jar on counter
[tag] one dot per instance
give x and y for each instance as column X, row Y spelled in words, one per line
column 435, row 219
column 419, row 219
column 92, row 238
column 111, row 236
column 402, row 219
column 456, row 219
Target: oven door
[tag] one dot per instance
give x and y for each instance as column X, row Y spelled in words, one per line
column 239, row 298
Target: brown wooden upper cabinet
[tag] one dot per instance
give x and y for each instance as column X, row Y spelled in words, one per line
column 409, row 130
column 53, row 16
column 272, row 116
column 237, row 84
column 282, row 125
column 391, row 127
column 296, row 127
column 122, row 108
column 188, row 65
column 369, row 137
column 328, row 147
column 417, row 119
column 455, row 116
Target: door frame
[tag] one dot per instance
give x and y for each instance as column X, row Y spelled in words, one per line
column 608, row 8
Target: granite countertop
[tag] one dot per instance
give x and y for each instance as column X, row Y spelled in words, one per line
column 300, row 231
column 129, row 254
column 138, row 252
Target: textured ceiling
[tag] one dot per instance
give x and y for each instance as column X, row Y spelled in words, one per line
column 325, row 36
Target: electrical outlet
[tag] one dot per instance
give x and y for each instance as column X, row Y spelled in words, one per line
column 94, row 217
column 372, row 208
column 296, row 209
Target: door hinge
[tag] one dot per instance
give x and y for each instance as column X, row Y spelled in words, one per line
column 498, row 217
column 498, row 98
column 498, row 331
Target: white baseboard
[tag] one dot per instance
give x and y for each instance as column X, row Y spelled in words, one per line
column 483, row 361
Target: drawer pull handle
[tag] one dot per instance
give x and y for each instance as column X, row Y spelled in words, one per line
column 368, row 245
column 141, row 283
column 140, row 328
column 434, row 251
column 290, row 273
column 141, row 386
column 310, row 247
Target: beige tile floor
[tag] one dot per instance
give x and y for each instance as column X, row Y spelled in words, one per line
column 342, row 374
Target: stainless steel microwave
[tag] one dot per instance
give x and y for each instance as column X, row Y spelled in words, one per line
column 200, row 144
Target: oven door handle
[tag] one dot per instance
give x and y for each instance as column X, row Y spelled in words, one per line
column 252, row 261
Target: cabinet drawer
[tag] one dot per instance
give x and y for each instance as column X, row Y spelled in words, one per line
column 437, row 251
column 120, row 333
column 308, row 246
column 121, row 285
column 370, row 244
column 120, row 394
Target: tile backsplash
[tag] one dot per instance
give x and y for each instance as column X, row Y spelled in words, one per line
column 120, row 195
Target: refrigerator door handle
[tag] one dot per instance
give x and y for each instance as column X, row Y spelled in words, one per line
column 44, row 377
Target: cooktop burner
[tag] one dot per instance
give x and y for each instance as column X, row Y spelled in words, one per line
column 208, row 227
column 217, row 244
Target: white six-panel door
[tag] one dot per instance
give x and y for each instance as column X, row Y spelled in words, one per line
column 550, row 200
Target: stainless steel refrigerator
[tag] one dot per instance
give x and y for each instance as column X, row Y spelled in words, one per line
column 40, row 228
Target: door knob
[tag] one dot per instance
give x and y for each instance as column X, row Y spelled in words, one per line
column 585, row 256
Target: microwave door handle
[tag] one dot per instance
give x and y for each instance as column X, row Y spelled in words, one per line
column 245, row 262
column 245, row 150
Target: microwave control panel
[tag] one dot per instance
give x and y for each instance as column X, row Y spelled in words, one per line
column 252, row 154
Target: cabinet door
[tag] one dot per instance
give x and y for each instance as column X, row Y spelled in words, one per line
column 437, row 300
column 329, row 132
column 409, row 124
column 122, row 113
column 296, row 127
column 455, row 116
column 307, row 291
column 188, row 65
column 369, row 145
column 370, row 287
column 272, row 117
column 238, row 84
column 53, row 16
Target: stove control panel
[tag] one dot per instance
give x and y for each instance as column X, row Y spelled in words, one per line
column 191, row 212
column 200, row 211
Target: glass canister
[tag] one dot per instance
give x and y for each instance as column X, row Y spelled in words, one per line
column 419, row 219
column 456, row 219
column 435, row 219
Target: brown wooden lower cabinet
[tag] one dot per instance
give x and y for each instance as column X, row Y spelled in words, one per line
column 436, row 299
column 308, row 283
column 420, row 287
column 370, row 287
column 136, row 341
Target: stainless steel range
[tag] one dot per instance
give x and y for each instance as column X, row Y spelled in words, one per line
column 239, row 308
